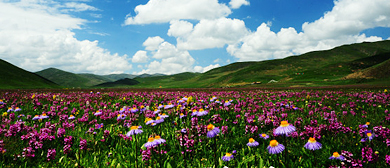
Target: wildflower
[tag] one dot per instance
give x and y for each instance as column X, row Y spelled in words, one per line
column 264, row 136
column 150, row 142
column 134, row 110
column 212, row 131
column 5, row 114
column 36, row 117
column 336, row 155
column 156, row 111
column 71, row 117
column 368, row 136
column 134, row 130
column 17, row 109
column 194, row 112
column 182, row 115
column 227, row 103
column 312, row 144
column 148, row 121
column 227, row 157
column 163, row 115
column 158, row 120
column 43, row 116
column 98, row 113
column 366, row 125
column 1, row 102
column 159, row 140
column 202, row 112
column 252, row 143
column 284, row 129
column 10, row 109
column 387, row 158
column 121, row 117
column 83, row 144
column 51, row 154
column 184, row 131
column 274, row 147
column 98, row 126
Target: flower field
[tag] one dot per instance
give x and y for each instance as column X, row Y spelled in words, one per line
column 203, row 128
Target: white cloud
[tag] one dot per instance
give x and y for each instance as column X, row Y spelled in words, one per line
column 36, row 36
column 205, row 69
column 78, row 7
column 157, row 11
column 340, row 26
column 208, row 33
column 217, row 60
column 235, row 4
column 140, row 57
column 152, row 43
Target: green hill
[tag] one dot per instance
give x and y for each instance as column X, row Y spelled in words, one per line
column 13, row 77
column 68, row 79
column 122, row 83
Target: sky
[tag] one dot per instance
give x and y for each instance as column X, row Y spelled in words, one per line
column 174, row 36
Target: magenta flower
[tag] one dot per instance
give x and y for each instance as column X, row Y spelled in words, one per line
column 51, row 154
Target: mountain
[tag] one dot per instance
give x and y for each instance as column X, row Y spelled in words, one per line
column 68, row 79
column 115, row 77
column 318, row 68
column 13, row 77
column 149, row 75
column 119, row 83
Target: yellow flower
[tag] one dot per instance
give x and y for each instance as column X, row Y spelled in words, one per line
column 5, row 114
column 33, row 96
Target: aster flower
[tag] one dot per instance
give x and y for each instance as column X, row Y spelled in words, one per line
column 369, row 135
column 158, row 120
column 366, row 125
column 212, row 131
column 312, row 144
column 264, row 136
column 1, row 102
column 156, row 111
column 17, row 109
column 274, row 147
column 159, row 140
column 98, row 126
column 10, row 109
column 43, row 116
column 134, row 130
column 184, row 131
column 123, row 109
column 98, row 113
column 336, row 155
column 182, row 115
column 36, row 117
column 163, row 115
column 71, row 117
column 202, row 112
column 150, row 143
column 284, row 129
column 121, row 117
column 252, row 143
column 213, row 99
column 227, row 157
column 227, row 103
column 160, row 106
column 169, row 106
column 194, row 112
column 134, row 110
column 149, row 121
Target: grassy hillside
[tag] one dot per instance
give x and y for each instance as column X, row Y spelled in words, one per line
column 13, row 77
column 68, row 79
column 122, row 83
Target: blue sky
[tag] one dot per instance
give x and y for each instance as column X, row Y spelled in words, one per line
column 173, row 36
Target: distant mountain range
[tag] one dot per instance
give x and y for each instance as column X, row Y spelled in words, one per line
column 361, row 63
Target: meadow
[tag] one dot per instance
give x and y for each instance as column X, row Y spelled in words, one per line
column 195, row 128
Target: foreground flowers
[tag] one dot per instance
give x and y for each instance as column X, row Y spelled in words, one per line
column 275, row 148
column 284, row 129
column 312, row 144
column 212, row 131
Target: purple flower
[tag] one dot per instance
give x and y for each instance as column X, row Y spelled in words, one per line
column 336, row 155
column 150, row 143
column 274, row 147
column 312, row 144
column 212, row 131
column 252, row 143
column 264, row 136
column 227, row 157
column 159, row 140
column 284, row 129
column 134, row 130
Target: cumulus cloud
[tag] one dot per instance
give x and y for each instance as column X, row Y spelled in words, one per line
column 36, row 36
column 235, row 4
column 157, row 11
column 78, row 7
column 152, row 43
column 140, row 57
column 207, row 33
column 340, row 26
